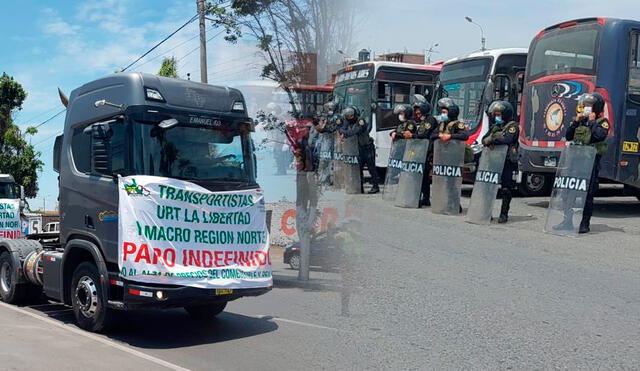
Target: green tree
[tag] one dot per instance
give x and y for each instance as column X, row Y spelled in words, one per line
column 169, row 68
column 17, row 156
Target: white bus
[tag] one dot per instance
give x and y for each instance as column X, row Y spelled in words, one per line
column 477, row 79
column 376, row 87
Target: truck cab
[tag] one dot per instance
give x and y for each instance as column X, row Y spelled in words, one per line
column 122, row 125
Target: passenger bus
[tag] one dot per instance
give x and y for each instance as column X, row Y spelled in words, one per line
column 376, row 87
column 474, row 81
column 571, row 58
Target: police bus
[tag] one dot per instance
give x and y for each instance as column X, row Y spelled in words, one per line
column 474, row 81
column 571, row 58
column 376, row 87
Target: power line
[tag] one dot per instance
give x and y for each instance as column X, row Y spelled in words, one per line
column 198, row 47
column 46, row 139
column 160, row 43
column 167, row 51
column 51, row 118
column 25, row 122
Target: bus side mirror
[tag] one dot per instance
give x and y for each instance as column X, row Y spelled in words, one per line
column 22, row 192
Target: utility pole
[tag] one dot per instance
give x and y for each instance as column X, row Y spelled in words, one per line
column 203, row 43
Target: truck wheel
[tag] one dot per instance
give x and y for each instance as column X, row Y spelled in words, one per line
column 294, row 262
column 10, row 291
column 205, row 311
column 535, row 185
column 87, row 299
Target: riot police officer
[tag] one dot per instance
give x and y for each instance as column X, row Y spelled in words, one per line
column 355, row 126
column 590, row 127
column 329, row 120
column 449, row 127
column 426, row 124
column 407, row 126
column 504, row 132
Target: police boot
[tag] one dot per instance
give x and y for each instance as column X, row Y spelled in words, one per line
column 584, row 227
column 375, row 189
column 506, row 203
column 424, row 201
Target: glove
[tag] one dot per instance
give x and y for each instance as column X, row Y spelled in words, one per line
column 487, row 141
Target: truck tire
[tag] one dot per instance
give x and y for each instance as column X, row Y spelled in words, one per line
column 205, row 311
column 10, row 291
column 87, row 299
column 535, row 185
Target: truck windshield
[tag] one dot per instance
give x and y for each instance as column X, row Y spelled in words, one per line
column 192, row 153
column 464, row 82
column 564, row 50
column 8, row 190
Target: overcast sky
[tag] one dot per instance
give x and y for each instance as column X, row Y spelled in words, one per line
column 50, row 44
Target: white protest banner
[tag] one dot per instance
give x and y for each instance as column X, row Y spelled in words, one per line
column 10, row 218
column 175, row 232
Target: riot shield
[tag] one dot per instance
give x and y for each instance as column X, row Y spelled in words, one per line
column 338, row 169
column 570, row 189
column 413, row 168
column 350, row 165
column 325, row 158
column 485, row 187
column 394, row 167
column 446, row 185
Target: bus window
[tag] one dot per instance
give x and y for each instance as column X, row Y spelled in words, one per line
column 424, row 90
column 392, row 93
column 389, row 95
column 565, row 50
column 634, row 67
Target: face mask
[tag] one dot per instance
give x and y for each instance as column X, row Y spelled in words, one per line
column 443, row 117
column 587, row 111
column 499, row 120
column 402, row 118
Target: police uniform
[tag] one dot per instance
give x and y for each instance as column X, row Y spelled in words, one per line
column 594, row 133
column 408, row 125
column 506, row 134
column 367, row 150
column 454, row 127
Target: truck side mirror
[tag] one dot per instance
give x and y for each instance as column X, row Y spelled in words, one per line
column 57, row 152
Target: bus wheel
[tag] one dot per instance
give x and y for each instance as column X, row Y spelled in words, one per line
column 535, row 184
column 87, row 299
column 206, row 311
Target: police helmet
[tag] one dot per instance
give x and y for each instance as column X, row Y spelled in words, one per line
column 451, row 107
column 420, row 102
column 404, row 108
column 330, row 106
column 274, row 109
column 504, row 107
column 350, row 112
column 593, row 99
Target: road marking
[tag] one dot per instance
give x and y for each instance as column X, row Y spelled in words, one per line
column 97, row 338
column 279, row 319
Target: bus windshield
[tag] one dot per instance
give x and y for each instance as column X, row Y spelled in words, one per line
column 564, row 50
column 464, row 82
column 355, row 94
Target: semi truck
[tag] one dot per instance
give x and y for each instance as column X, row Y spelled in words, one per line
column 123, row 125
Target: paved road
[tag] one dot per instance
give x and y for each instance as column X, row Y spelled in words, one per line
column 441, row 293
column 434, row 293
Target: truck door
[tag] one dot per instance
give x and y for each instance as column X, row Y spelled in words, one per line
column 629, row 163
